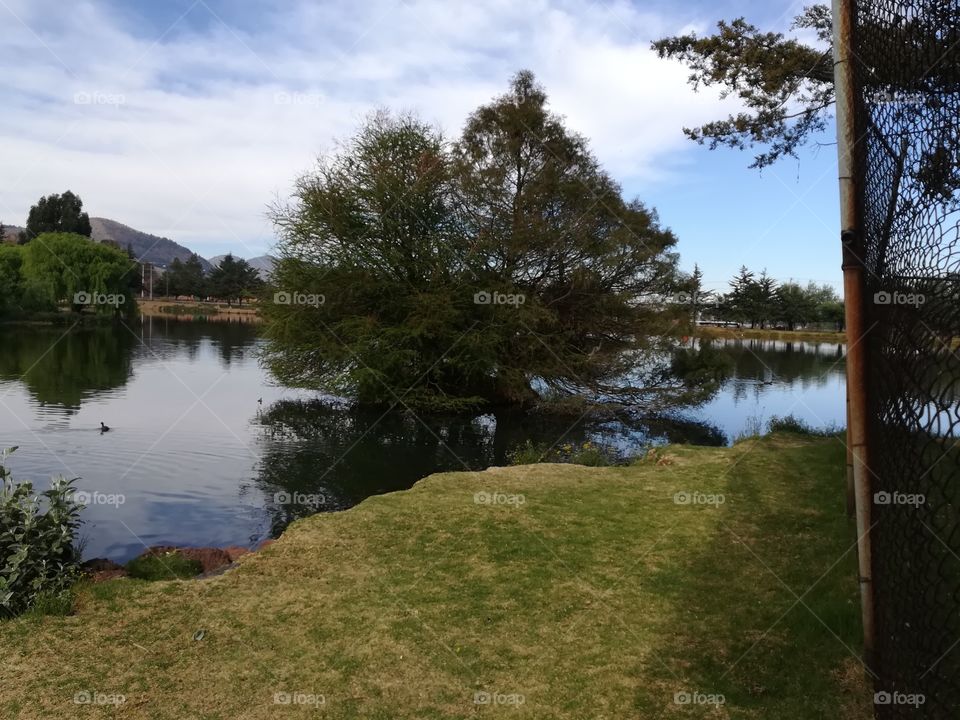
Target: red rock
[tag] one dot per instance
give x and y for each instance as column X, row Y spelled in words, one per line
column 235, row 551
column 266, row 543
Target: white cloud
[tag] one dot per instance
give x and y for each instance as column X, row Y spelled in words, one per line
column 183, row 135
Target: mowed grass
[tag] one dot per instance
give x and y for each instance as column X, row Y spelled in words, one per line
column 595, row 595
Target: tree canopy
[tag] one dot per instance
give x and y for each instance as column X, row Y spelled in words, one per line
column 233, row 279
column 500, row 268
column 760, row 301
column 186, row 278
column 56, row 214
column 72, row 269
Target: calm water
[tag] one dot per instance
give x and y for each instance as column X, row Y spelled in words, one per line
column 199, row 461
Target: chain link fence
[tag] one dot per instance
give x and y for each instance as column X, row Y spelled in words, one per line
column 907, row 76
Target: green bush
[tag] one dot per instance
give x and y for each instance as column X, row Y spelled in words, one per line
column 169, row 566
column 39, row 556
column 586, row 454
column 793, row 424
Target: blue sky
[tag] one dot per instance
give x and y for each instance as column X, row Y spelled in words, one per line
column 186, row 118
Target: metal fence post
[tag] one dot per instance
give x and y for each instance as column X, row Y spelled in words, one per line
column 853, row 286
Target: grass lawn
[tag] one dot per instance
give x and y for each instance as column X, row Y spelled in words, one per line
column 707, row 331
column 594, row 595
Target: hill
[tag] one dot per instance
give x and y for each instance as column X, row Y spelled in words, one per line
column 148, row 248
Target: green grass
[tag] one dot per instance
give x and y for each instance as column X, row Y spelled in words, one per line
column 587, row 592
column 746, row 333
column 169, row 566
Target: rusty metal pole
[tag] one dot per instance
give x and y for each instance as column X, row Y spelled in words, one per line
column 851, row 486
column 848, row 150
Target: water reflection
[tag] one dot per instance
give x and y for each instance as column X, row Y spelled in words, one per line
column 202, row 462
column 321, row 455
column 62, row 367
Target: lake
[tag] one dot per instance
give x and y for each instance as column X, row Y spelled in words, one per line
column 205, row 450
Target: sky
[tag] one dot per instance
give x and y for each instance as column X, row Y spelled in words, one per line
column 188, row 118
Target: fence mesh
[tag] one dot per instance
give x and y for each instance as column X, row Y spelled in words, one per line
column 907, row 57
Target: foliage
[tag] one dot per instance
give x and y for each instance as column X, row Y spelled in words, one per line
column 70, row 268
column 18, row 295
column 587, row 453
column 39, row 556
column 798, row 426
column 56, row 214
column 464, row 274
column 752, row 429
column 785, row 85
column 169, row 566
column 233, row 279
column 187, row 278
column 760, row 302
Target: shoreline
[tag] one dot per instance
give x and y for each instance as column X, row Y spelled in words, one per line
column 711, row 332
column 337, row 606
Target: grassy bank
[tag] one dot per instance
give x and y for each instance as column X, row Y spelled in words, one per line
column 573, row 592
column 187, row 309
column 756, row 334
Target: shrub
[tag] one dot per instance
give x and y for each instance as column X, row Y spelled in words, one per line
column 39, row 558
column 793, row 424
column 753, row 428
column 169, row 566
column 586, row 454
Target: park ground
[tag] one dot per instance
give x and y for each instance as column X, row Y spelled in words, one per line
column 540, row 591
column 812, row 336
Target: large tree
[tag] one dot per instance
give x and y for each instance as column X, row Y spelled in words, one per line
column 498, row 269
column 57, row 214
column 73, row 269
column 233, row 279
column 186, row 278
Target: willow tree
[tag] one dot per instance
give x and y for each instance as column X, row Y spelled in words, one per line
column 494, row 270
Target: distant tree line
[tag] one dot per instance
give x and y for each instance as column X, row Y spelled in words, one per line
column 761, row 302
column 231, row 281
column 63, row 215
